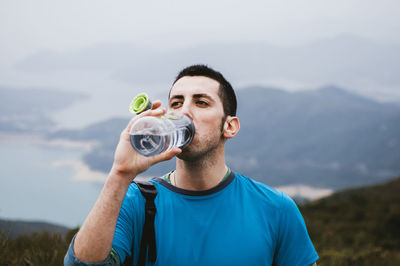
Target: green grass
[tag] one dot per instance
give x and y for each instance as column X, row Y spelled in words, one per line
column 358, row 226
column 36, row 249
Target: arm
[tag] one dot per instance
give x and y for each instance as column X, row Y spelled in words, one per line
column 94, row 240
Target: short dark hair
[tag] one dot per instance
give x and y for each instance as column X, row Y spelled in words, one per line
column 226, row 92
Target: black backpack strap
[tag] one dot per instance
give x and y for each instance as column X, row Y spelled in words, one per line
column 148, row 243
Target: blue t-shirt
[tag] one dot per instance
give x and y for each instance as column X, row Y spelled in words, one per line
column 238, row 222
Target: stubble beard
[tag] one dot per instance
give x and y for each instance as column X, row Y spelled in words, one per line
column 204, row 149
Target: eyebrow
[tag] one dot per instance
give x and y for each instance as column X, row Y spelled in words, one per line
column 203, row 95
column 176, row 97
column 195, row 96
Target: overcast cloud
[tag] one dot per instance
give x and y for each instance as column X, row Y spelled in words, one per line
column 35, row 29
column 27, row 26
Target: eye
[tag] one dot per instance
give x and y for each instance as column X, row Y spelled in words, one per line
column 203, row 103
column 175, row 104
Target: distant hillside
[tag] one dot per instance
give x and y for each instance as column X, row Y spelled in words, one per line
column 13, row 229
column 357, row 226
column 326, row 138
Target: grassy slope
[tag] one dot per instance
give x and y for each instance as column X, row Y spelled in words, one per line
column 357, row 226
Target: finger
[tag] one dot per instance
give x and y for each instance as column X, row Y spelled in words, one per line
column 156, row 104
column 166, row 155
column 155, row 112
column 130, row 124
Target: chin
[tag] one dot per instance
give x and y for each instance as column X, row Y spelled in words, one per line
column 191, row 154
column 187, row 155
column 196, row 151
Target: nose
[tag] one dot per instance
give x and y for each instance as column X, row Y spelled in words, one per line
column 187, row 110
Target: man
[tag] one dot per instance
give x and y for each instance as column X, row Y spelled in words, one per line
column 206, row 214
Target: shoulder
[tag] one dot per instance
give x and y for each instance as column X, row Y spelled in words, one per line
column 133, row 198
column 133, row 191
column 263, row 192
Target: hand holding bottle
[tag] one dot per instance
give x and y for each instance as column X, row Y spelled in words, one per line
column 126, row 160
column 151, row 135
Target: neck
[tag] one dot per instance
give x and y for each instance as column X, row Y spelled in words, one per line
column 201, row 174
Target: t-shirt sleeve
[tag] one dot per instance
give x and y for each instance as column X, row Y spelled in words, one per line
column 294, row 245
column 70, row 258
column 130, row 220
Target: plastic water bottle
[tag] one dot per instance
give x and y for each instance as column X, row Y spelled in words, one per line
column 140, row 103
column 151, row 135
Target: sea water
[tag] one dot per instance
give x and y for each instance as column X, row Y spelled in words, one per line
column 33, row 188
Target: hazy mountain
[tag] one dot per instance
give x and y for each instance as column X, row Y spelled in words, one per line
column 327, row 138
column 105, row 133
column 346, row 60
column 29, row 110
column 324, row 138
column 15, row 228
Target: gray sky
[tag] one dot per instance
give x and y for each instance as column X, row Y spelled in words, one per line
column 29, row 27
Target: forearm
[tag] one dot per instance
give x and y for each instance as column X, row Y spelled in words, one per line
column 94, row 240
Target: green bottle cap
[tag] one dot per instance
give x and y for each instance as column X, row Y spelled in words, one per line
column 140, row 104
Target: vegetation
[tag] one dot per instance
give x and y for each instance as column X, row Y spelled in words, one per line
column 36, row 249
column 353, row 227
column 357, row 227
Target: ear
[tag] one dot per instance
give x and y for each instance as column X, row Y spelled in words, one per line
column 231, row 127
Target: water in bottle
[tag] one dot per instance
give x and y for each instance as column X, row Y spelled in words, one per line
column 150, row 135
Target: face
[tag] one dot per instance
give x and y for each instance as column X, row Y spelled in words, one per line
column 198, row 98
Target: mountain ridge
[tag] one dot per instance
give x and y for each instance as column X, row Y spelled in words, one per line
column 328, row 138
column 15, row 228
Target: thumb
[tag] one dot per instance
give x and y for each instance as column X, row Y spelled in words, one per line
column 165, row 156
